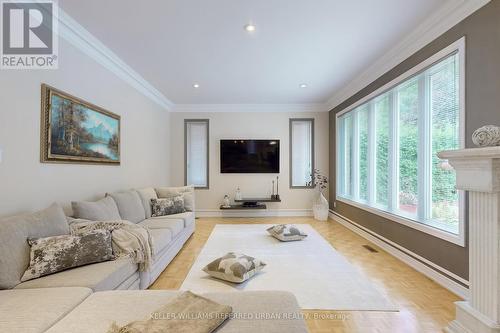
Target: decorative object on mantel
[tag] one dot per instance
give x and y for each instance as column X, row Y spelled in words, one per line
column 320, row 206
column 75, row 131
column 237, row 195
column 487, row 136
column 226, row 203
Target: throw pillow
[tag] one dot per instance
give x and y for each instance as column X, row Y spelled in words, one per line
column 14, row 233
column 101, row 210
column 187, row 193
column 54, row 254
column 180, row 313
column 162, row 207
column 286, row 232
column 234, row 267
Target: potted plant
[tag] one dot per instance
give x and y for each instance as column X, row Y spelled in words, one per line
column 320, row 205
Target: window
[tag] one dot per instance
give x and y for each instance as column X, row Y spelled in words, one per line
column 196, row 152
column 387, row 147
column 301, row 153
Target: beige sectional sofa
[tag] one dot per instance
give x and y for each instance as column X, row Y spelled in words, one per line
column 169, row 234
column 89, row 298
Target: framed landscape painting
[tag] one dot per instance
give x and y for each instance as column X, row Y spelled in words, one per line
column 75, row 131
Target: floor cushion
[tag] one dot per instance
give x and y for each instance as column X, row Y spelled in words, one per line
column 101, row 276
column 36, row 310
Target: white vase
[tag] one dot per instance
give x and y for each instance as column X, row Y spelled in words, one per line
column 320, row 208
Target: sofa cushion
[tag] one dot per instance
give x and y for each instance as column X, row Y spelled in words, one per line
column 106, row 275
column 36, row 310
column 100, row 310
column 14, row 234
column 174, row 225
column 146, row 195
column 129, row 205
column 187, row 217
column 161, row 239
column 187, row 193
column 101, row 210
column 57, row 253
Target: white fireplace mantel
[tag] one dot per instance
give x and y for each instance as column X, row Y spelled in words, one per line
column 478, row 171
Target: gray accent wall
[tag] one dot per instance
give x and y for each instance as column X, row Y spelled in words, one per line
column 482, row 107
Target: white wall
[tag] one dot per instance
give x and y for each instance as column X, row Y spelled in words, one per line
column 248, row 125
column 26, row 184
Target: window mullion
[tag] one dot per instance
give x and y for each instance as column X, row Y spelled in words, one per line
column 355, row 155
column 393, row 199
column 424, row 149
column 341, row 152
column 372, row 165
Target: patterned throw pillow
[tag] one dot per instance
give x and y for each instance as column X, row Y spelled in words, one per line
column 234, row 267
column 286, row 232
column 167, row 206
column 54, row 254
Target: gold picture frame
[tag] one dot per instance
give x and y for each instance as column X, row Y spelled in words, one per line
column 76, row 131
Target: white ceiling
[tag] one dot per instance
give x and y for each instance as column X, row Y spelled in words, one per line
column 323, row 43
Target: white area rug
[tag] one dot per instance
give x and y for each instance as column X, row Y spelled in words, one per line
column 311, row 269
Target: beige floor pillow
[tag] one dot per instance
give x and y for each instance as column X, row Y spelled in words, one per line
column 286, row 232
column 234, row 267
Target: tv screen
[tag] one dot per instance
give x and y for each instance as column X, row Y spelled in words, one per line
column 250, row 156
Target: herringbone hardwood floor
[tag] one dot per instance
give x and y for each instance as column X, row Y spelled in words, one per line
column 425, row 307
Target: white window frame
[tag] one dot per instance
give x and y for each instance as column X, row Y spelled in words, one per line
column 459, row 239
column 186, row 149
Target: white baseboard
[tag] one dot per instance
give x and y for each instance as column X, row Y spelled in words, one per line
column 253, row 213
column 437, row 273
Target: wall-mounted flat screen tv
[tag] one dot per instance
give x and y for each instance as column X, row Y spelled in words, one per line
column 249, row 156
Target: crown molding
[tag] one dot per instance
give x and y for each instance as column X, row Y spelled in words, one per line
column 450, row 14
column 78, row 36
column 250, row 108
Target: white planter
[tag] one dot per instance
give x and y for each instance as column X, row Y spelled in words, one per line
column 320, row 208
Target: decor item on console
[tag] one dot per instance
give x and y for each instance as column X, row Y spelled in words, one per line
column 75, row 131
column 226, row 203
column 320, row 206
column 277, row 195
column 487, row 136
column 237, row 195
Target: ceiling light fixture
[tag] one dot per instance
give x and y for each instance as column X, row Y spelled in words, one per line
column 196, row 85
column 303, row 85
column 250, row 27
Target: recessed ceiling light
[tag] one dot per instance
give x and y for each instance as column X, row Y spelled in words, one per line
column 196, row 85
column 250, row 27
column 303, row 85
